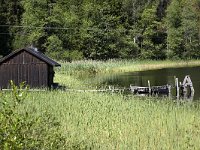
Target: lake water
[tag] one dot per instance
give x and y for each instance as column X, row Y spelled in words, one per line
column 156, row 77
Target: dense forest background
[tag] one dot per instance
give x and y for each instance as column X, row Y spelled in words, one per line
column 102, row 29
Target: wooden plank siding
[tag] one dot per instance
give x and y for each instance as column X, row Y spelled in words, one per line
column 29, row 65
column 24, row 67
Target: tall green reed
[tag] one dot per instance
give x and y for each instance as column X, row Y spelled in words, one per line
column 115, row 121
column 93, row 67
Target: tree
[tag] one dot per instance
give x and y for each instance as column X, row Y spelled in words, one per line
column 10, row 15
column 174, row 30
column 152, row 34
column 33, row 22
column 190, row 29
column 183, row 29
column 103, row 29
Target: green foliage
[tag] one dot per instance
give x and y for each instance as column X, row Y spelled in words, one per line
column 73, row 30
column 190, row 29
column 23, row 130
column 10, row 13
column 153, row 44
column 182, row 20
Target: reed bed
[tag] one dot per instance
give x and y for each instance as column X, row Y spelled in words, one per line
column 115, row 121
column 71, row 74
column 110, row 66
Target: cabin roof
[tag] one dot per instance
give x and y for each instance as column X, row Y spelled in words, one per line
column 35, row 53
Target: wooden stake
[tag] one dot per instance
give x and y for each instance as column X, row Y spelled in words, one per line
column 177, row 87
column 149, row 87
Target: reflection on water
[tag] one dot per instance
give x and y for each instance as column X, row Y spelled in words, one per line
column 156, row 77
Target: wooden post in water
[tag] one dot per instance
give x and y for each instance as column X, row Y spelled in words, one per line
column 192, row 90
column 169, row 90
column 177, row 87
column 149, row 87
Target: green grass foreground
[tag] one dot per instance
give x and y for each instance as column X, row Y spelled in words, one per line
column 103, row 120
column 114, row 121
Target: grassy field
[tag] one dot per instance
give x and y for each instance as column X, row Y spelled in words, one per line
column 113, row 120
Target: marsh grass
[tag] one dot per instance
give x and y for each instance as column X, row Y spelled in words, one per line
column 115, row 121
column 72, row 74
column 90, row 67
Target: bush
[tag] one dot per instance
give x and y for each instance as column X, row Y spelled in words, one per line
column 23, row 130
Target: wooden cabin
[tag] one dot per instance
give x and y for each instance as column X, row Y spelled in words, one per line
column 29, row 65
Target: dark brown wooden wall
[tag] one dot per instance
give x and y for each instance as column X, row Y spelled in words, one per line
column 24, row 67
column 50, row 75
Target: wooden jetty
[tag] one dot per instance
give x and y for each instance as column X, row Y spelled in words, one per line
column 139, row 90
column 184, row 89
column 153, row 90
column 165, row 89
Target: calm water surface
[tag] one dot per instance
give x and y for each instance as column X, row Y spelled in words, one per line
column 156, row 77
